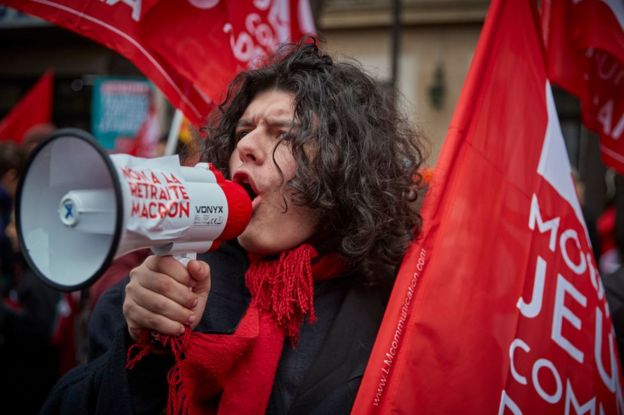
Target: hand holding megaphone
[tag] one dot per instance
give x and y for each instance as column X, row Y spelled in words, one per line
column 165, row 297
column 78, row 208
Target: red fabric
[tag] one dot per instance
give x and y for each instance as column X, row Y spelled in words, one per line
column 495, row 310
column 116, row 26
column 210, row 44
column 33, row 109
column 585, row 54
column 605, row 225
column 13, row 305
column 189, row 49
column 233, row 374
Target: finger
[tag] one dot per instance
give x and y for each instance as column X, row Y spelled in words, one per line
column 170, row 266
column 151, row 289
column 139, row 318
column 200, row 273
column 168, row 308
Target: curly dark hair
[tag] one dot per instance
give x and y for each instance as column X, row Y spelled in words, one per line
column 357, row 157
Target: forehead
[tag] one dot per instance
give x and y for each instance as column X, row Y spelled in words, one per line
column 272, row 103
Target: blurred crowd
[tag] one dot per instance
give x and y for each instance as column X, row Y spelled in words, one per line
column 37, row 337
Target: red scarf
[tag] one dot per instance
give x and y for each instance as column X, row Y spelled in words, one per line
column 241, row 367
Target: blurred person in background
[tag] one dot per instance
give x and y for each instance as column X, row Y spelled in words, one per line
column 590, row 219
column 614, row 281
column 11, row 162
column 610, row 258
column 30, row 318
column 37, row 333
column 35, row 135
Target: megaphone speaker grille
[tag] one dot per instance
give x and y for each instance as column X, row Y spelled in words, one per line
column 63, row 252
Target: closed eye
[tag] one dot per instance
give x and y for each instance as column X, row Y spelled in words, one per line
column 240, row 134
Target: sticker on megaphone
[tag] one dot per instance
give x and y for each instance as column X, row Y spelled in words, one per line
column 106, row 206
column 163, row 202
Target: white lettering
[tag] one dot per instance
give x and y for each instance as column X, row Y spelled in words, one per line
column 135, row 5
column 260, row 30
column 618, row 129
column 279, row 18
column 260, row 37
column 534, row 307
column 514, row 373
column 562, row 312
column 609, row 381
column 605, row 116
column 607, row 68
column 390, row 354
column 571, row 398
column 581, row 267
column 507, row 402
column 551, row 225
column 262, row 4
column 243, row 46
column 618, row 388
column 555, row 397
column 204, row 4
column 594, row 277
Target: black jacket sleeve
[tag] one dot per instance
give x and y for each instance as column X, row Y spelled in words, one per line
column 104, row 385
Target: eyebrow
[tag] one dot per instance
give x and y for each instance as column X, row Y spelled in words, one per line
column 272, row 122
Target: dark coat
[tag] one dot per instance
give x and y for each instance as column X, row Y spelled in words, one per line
column 320, row 376
column 614, row 290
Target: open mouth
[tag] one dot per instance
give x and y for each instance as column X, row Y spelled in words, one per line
column 249, row 190
column 243, row 179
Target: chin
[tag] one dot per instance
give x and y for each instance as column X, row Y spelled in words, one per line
column 264, row 245
column 254, row 246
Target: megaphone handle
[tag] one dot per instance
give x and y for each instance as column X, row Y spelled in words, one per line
column 185, row 257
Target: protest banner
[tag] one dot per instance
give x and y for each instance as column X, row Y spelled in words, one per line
column 498, row 306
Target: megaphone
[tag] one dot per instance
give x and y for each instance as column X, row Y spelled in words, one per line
column 78, row 208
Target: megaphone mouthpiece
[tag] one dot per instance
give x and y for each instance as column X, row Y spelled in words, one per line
column 239, row 208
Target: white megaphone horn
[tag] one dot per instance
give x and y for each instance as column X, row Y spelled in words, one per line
column 78, row 208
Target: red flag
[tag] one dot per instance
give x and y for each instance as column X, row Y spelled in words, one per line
column 33, row 109
column 116, row 25
column 585, row 54
column 498, row 307
column 211, row 40
column 187, row 48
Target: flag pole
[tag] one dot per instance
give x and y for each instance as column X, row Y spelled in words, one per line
column 174, row 132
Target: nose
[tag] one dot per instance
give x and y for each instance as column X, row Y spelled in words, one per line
column 250, row 149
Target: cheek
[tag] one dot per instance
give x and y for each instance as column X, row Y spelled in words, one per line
column 297, row 225
column 233, row 161
column 286, row 162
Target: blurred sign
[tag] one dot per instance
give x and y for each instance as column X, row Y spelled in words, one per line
column 119, row 108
